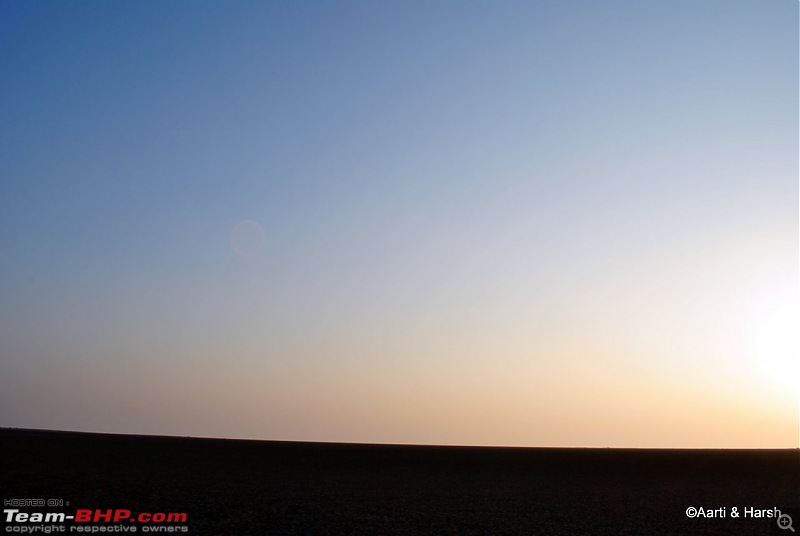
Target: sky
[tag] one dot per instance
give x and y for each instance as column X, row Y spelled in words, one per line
column 527, row 223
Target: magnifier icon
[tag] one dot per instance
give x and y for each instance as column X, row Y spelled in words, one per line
column 785, row 522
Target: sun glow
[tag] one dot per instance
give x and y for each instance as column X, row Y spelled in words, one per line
column 775, row 338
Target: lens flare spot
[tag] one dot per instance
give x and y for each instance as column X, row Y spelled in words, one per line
column 247, row 238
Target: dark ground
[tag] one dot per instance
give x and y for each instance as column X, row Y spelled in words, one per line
column 263, row 487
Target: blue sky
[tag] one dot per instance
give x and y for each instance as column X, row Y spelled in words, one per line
column 462, row 204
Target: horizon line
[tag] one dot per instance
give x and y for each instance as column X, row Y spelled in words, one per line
column 374, row 444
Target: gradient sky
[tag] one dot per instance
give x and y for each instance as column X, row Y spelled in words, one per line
column 504, row 223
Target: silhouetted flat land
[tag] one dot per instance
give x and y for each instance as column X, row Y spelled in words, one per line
column 264, row 487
